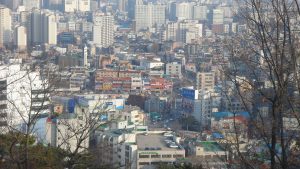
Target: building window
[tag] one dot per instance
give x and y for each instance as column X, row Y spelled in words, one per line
column 155, row 156
column 143, row 156
column 143, row 163
column 167, row 156
column 177, row 155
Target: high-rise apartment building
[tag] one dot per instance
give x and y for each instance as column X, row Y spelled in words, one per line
column 35, row 27
column 218, row 21
column 103, row 29
column 12, row 4
column 22, row 93
column 218, row 16
column 149, row 15
column 200, row 12
column 122, row 5
column 42, row 28
column 20, row 39
column 5, row 26
column 49, row 29
column 55, row 4
column 76, row 5
column 171, row 31
column 184, row 10
column 30, row 4
column 205, row 81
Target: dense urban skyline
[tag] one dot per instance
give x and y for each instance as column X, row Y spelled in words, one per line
column 141, row 84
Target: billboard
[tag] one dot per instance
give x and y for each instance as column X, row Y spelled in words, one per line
column 189, row 93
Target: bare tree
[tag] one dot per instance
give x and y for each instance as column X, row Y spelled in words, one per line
column 264, row 68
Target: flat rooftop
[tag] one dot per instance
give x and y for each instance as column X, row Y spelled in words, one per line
column 154, row 142
column 211, row 146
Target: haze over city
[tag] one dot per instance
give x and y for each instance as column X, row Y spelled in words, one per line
column 157, row 84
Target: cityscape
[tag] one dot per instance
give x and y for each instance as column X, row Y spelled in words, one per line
column 149, row 84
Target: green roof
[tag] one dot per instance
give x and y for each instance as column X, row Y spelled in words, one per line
column 210, row 146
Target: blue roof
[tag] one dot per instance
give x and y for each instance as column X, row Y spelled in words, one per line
column 221, row 115
column 217, row 135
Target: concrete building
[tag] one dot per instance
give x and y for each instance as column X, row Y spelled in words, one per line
column 42, row 28
column 11, row 4
column 134, row 149
column 153, row 149
column 116, row 148
column 5, row 26
column 103, row 29
column 184, row 10
column 49, row 29
column 149, row 15
column 218, row 21
column 55, row 4
column 23, row 93
column 187, row 28
column 69, row 126
column 76, row 5
column 171, row 31
column 122, row 5
column 205, row 81
column 200, row 12
column 34, row 28
column 20, row 40
column 173, row 69
column 30, row 4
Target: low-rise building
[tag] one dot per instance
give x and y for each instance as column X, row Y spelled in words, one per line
column 154, row 149
column 173, row 69
column 67, row 126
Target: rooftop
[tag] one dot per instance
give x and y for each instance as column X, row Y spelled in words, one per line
column 153, row 142
column 211, row 146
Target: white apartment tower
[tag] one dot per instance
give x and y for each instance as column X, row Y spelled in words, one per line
column 20, row 40
column 49, row 29
column 205, row 81
column 218, row 16
column 171, row 31
column 23, row 93
column 5, row 26
column 85, row 56
column 76, row 5
column 149, row 15
column 184, row 10
column 200, row 12
column 32, row 4
column 103, row 29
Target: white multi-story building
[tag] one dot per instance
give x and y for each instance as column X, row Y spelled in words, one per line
column 171, row 31
column 76, row 5
column 20, row 39
column 173, row 69
column 149, row 15
column 189, row 30
column 30, row 4
column 5, row 26
column 184, row 10
column 205, row 81
column 132, row 149
column 116, row 148
column 200, row 12
column 218, row 17
column 69, row 130
column 23, row 93
column 103, row 29
column 49, row 29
